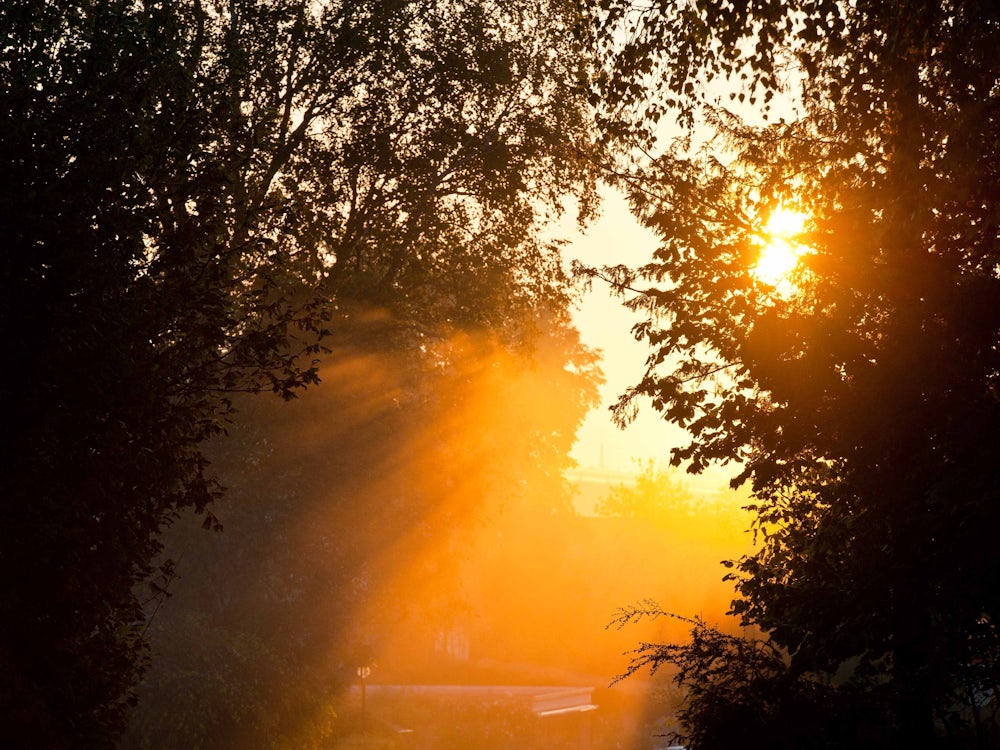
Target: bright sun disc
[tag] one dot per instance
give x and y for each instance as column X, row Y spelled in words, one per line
column 780, row 252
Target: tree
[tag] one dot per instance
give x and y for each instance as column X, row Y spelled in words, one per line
column 859, row 396
column 657, row 496
column 191, row 191
column 661, row 498
column 741, row 692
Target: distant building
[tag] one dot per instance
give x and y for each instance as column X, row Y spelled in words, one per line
column 452, row 643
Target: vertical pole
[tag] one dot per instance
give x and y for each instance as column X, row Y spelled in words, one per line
column 364, row 728
column 363, row 673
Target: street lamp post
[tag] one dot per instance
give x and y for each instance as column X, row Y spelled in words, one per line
column 363, row 674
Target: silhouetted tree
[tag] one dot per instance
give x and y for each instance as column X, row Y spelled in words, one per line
column 660, row 496
column 859, row 394
column 743, row 692
column 657, row 496
column 190, row 190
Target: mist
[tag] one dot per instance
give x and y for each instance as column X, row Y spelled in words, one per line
column 404, row 564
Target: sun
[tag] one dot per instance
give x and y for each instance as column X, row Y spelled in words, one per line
column 780, row 250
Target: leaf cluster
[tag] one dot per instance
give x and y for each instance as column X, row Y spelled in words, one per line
column 741, row 691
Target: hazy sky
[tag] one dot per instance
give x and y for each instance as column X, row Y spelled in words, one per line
column 604, row 324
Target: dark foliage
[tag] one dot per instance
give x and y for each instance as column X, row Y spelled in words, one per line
column 742, row 692
column 859, row 396
column 189, row 192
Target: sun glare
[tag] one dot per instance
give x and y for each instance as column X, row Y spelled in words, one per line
column 780, row 250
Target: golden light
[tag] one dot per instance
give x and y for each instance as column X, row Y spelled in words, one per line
column 780, row 250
